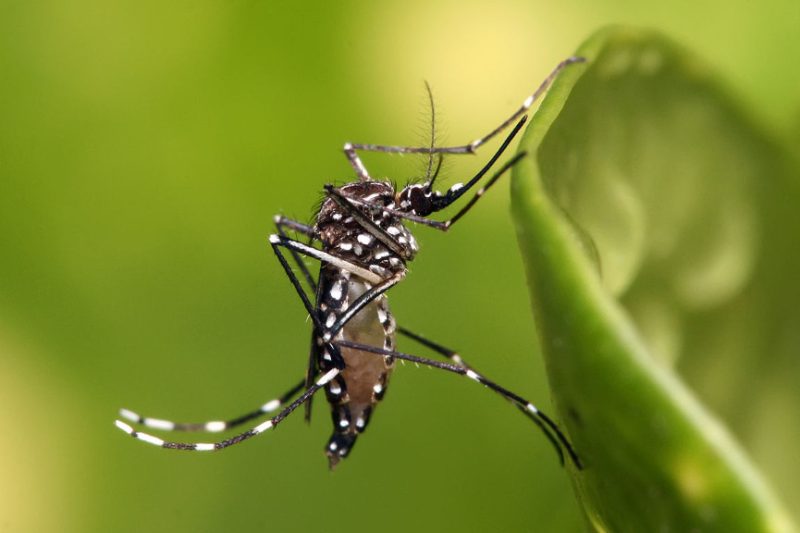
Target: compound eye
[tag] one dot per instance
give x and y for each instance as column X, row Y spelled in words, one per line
column 420, row 202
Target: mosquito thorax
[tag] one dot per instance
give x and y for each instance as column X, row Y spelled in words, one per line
column 343, row 235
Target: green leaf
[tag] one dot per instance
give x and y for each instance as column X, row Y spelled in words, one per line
column 637, row 210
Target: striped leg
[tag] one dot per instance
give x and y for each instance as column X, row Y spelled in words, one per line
column 257, row 430
column 453, row 356
column 351, row 149
column 213, row 426
column 544, row 422
column 282, row 223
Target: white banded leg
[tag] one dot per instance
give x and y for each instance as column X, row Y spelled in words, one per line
column 544, row 422
column 320, row 255
column 454, row 356
column 282, row 223
column 351, row 149
column 213, row 426
column 257, row 430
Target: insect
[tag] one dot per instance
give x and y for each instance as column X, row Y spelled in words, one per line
column 364, row 246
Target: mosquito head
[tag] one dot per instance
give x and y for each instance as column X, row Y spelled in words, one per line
column 416, row 199
column 420, row 199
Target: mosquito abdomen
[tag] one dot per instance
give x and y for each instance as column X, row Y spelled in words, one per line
column 362, row 383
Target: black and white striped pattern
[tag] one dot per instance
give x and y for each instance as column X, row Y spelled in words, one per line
column 256, row 430
column 213, row 426
column 544, row 422
column 351, row 149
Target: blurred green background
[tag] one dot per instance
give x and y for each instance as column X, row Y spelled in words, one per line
column 143, row 151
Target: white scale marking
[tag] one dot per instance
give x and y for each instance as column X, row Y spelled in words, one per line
column 357, row 249
column 328, row 376
column 360, row 423
column 393, row 230
column 270, row 406
column 346, row 246
column 331, row 320
column 472, row 375
column 261, row 428
column 365, row 239
column 157, row 423
column 216, row 426
column 204, row 447
column 130, row 415
column 377, row 388
column 123, row 426
column 382, row 254
column 377, row 269
column 335, row 389
column 155, row 441
column 528, row 102
column 328, row 258
column 336, row 291
column 337, row 217
column 382, row 316
column 456, row 187
column 343, row 423
column 532, row 408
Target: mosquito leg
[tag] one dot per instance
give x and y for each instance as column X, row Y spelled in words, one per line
column 281, row 222
column 453, row 356
column 436, row 347
column 215, row 425
column 355, row 161
column 278, row 241
column 351, row 148
column 545, row 423
column 211, row 446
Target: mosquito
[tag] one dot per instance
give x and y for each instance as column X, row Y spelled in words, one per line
column 363, row 247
